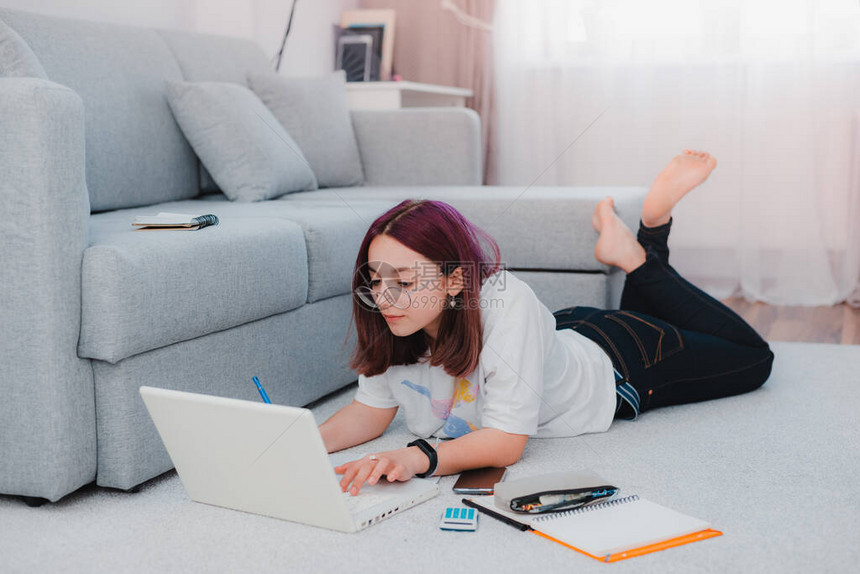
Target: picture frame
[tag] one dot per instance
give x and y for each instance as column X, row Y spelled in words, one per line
column 373, row 23
column 374, row 34
column 355, row 57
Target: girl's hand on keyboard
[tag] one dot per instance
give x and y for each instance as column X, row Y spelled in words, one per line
column 401, row 464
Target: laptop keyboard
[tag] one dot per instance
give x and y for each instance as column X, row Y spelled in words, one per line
column 364, row 500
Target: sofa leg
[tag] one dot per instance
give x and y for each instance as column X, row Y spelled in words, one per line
column 34, row 501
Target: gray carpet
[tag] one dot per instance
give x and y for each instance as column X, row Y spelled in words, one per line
column 776, row 470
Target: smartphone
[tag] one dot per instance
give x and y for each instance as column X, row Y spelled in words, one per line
column 479, row 480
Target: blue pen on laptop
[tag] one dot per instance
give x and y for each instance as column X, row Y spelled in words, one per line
column 262, row 390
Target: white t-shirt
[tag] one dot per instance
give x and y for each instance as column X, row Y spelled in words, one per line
column 531, row 379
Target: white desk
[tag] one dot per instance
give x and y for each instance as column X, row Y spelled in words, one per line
column 394, row 95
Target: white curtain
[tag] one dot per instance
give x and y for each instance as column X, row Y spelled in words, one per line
column 769, row 87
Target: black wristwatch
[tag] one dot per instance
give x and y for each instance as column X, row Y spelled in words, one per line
column 431, row 454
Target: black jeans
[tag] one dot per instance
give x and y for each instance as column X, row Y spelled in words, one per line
column 670, row 340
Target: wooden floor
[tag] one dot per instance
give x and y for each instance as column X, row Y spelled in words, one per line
column 839, row 324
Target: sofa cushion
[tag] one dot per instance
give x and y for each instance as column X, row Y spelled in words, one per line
column 241, row 143
column 147, row 289
column 315, row 113
column 213, row 58
column 333, row 231
column 525, row 222
column 207, row 184
column 16, row 57
column 419, row 146
column 537, row 228
column 136, row 154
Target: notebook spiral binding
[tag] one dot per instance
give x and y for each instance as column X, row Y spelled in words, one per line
column 206, row 220
column 587, row 508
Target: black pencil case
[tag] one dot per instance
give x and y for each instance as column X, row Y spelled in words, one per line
column 552, row 492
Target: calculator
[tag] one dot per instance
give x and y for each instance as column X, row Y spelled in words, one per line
column 459, row 518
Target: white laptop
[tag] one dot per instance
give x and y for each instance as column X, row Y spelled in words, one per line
column 267, row 459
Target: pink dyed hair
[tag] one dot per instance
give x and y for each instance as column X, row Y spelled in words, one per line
column 441, row 234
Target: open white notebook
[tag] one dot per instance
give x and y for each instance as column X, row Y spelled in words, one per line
column 612, row 530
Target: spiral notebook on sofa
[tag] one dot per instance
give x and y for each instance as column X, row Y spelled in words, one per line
column 609, row 531
column 172, row 221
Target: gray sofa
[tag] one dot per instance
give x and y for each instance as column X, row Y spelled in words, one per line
column 91, row 310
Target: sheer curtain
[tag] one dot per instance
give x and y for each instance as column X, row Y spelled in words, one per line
column 771, row 88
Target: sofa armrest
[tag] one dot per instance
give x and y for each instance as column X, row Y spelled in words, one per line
column 47, row 413
column 419, row 146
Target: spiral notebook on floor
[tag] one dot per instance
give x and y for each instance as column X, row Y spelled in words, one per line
column 608, row 531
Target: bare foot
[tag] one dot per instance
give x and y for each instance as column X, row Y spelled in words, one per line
column 616, row 245
column 685, row 172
